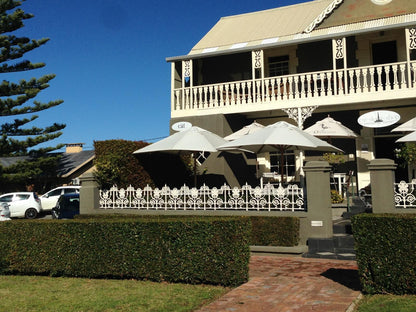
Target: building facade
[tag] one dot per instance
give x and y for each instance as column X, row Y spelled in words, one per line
column 301, row 63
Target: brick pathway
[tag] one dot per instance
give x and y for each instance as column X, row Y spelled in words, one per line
column 283, row 284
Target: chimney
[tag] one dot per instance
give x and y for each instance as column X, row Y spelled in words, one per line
column 73, row 148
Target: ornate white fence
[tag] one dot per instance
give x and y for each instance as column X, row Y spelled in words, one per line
column 247, row 198
column 405, row 194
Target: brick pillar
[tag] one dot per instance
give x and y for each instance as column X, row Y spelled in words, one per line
column 318, row 192
column 89, row 194
column 382, row 185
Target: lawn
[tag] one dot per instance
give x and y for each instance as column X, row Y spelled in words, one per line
column 387, row 303
column 42, row 293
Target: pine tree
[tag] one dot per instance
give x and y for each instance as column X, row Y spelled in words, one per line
column 16, row 99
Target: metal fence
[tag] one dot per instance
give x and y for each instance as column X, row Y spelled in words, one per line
column 268, row 198
column 405, row 194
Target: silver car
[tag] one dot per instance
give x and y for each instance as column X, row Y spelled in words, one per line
column 22, row 204
column 4, row 212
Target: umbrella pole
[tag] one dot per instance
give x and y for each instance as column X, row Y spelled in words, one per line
column 282, row 159
column 194, row 169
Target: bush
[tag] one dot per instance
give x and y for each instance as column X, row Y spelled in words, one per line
column 189, row 250
column 386, row 245
column 336, row 197
column 275, row 231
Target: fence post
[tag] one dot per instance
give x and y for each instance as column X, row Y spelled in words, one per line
column 382, row 185
column 318, row 195
column 89, row 198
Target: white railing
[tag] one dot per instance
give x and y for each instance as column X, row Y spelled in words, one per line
column 405, row 194
column 359, row 80
column 247, row 198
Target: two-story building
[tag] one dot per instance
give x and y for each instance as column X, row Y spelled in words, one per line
column 300, row 63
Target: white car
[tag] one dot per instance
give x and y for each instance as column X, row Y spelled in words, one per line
column 22, row 204
column 50, row 198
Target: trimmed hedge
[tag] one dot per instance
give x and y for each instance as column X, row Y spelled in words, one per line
column 275, row 231
column 265, row 231
column 386, row 247
column 189, row 250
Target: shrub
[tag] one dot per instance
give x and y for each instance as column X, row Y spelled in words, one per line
column 385, row 245
column 189, row 250
column 275, row 231
column 336, row 197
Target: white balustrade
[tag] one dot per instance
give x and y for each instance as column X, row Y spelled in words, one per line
column 359, row 80
column 247, row 198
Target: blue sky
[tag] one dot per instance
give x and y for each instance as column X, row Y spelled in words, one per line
column 109, row 57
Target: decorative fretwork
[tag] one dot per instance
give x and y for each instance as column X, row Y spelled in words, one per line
column 412, row 38
column 187, row 69
column 323, row 15
column 405, row 194
column 247, row 198
column 299, row 114
column 258, row 59
column 339, row 49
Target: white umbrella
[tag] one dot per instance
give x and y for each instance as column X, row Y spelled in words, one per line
column 409, row 125
column 329, row 128
column 411, row 137
column 280, row 136
column 251, row 128
column 191, row 140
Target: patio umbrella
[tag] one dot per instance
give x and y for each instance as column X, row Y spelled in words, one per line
column 330, row 128
column 280, row 137
column 191, row 140
column 411, row 137
column 409, row 125
column 251, row 128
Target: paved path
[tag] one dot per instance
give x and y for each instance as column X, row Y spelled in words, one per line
column 283, row 284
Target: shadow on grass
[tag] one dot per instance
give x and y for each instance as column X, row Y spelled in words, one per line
column 347, row 277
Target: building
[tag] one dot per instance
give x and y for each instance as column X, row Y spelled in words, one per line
column 300, row 63
column 73, row 163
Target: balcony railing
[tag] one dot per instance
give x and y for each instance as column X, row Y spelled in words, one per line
column 330, row 83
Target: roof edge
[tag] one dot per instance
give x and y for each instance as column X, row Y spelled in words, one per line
column 324, row 14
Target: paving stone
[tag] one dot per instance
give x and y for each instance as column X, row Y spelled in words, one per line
column 285, row 284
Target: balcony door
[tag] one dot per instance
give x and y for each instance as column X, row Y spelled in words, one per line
column 384, row 52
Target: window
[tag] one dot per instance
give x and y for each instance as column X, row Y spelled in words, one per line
column 22, row 197
column 279, row 65
column 289, row 165
column 6, row 199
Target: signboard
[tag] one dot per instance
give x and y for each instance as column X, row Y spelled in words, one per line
column 181, row 125
column 378, row 119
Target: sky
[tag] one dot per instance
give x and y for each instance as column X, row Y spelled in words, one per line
column 109, row 57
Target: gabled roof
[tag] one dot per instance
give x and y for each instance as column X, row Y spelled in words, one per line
column 303, row 22
column 68, row 163
column 71, row 162
column 261, row 25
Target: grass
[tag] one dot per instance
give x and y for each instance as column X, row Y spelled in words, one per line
column 387, row 303
column 41, row 293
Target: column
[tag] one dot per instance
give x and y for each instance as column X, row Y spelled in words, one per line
column 382, row 185
column 89, row 197
column 318, row 194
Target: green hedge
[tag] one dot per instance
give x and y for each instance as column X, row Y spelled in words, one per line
column 265, row 231
column 189, row 250
column 386, row 247
column 275, row 231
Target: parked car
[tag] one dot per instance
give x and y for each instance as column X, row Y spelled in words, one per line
column 4, row 212
column 22, row 204
column 50, row 199
column 67, row 206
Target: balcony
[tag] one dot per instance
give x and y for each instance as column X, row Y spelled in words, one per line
column 330, row 87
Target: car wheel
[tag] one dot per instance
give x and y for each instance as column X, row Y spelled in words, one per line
column 54, row 214
column 31, row 213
